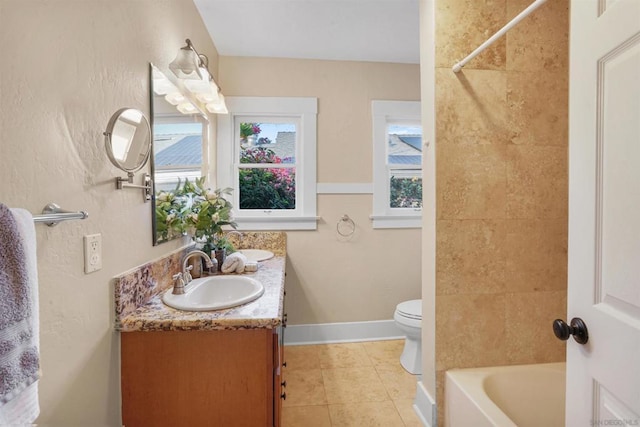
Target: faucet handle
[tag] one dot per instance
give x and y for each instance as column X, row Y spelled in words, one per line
column 186, row 275
column 178, row 288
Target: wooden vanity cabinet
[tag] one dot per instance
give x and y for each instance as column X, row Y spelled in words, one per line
column 201, row 378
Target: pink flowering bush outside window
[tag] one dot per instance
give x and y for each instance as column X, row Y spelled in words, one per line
column 266, row 188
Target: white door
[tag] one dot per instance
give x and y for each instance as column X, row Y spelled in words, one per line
column 603, row 376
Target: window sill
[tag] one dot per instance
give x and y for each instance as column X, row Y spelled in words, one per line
column 277, row 223
column 396, row 221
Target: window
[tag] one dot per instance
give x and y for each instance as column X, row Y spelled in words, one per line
column 397, row 164
column 178, row 150
column 267, row 154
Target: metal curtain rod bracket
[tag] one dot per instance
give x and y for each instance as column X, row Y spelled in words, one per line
column 533, row 6
column 52, row 214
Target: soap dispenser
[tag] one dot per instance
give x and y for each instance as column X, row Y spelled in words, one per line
column 214, row 267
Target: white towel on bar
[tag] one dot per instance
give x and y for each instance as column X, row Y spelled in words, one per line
column 21, row 406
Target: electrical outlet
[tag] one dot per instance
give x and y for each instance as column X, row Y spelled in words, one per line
column 92, row 253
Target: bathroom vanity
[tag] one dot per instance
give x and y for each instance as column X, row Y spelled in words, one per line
column 201, row 378
column 209, row 368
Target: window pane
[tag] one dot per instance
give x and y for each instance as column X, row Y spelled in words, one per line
column 404, row 146
column 270, row 188
column 177, row 144
column 167, row 180
column 279, row 139
column 405, row 191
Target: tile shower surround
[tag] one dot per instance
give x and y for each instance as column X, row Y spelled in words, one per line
column 501, row 227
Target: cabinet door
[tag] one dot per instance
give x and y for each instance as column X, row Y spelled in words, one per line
column 279, row 392
column 198, row 378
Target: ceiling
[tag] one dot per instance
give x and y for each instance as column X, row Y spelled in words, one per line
column 348, row 30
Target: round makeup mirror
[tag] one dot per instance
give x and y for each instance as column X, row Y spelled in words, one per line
column 128, row 139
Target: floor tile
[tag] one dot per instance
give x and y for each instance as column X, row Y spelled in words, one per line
column 407, row 413
column 399, row 383
column 384, row 352
column 301, row 357
column 345, row 385
column 304, row 388
column 348, row 355
column 365, row 414
column 306, row 416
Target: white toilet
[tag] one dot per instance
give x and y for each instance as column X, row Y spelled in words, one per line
column 408, row 317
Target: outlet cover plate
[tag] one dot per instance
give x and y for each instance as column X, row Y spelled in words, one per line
column 92, row 253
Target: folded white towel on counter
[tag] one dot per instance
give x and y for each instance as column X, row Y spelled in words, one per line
column 234, row 263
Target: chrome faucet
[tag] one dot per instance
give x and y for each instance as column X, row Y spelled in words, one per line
column 185, row 270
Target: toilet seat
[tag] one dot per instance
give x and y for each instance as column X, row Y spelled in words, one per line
column 410, row 309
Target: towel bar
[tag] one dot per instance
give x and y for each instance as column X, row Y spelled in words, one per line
column 52, row 214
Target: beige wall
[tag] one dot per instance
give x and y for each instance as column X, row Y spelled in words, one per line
column 330, row 279
column 501, row 185
column 66, row 67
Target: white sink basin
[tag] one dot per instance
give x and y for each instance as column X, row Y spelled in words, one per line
column 256, row 255
column 215, row 293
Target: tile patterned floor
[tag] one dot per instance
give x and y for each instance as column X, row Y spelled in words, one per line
column 348, row 385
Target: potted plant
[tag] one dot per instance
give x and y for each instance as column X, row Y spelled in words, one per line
column 207, row 214
column 194, row 210
column 249, row 132
column 171, row 207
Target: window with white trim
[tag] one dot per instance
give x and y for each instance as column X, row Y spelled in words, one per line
column 179, row 146
column 397, row 164
column 267, row 154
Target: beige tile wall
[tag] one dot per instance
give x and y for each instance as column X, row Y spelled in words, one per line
column 501, row 129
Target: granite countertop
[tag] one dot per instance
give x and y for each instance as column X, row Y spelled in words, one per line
column 265, row 312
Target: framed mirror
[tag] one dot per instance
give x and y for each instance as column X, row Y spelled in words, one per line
column 180, row 135
column 128, row 139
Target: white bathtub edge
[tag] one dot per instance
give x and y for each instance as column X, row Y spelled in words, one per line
column 425, row 406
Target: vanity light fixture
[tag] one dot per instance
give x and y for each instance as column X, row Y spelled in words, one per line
column 187, row 63
column 175, row 98
column 193, row 68
column 218, row 107
column 161, row 85
column 187, row 108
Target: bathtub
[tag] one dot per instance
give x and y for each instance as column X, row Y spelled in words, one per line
column 506, row 396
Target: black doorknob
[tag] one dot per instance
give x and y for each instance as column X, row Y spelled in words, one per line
column 577, row 328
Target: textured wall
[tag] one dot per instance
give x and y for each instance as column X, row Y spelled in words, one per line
column 329, row 279
column 501, row 131
column 66, row 67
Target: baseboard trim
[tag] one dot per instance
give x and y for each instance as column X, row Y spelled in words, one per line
column 425, row 406
column 323, row 333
